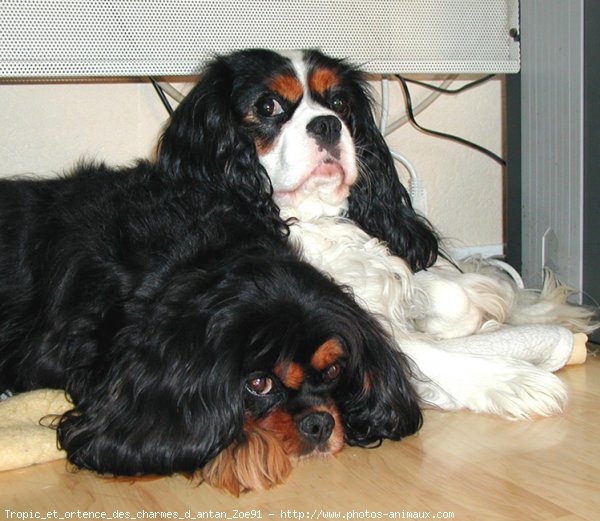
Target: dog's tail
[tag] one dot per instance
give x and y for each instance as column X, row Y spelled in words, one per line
column 548, row 305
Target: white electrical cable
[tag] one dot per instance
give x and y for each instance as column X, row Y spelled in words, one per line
column 385, row 105
column 406, row 163
column 171, row 91
column 509, row 270
column 416, row 190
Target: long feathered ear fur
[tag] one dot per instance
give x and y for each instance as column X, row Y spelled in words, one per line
column 379, row 402
column 205, row 140
column 158, row 401
column 379, row 203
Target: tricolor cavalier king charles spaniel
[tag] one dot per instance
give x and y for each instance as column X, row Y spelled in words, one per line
column 169, row 302
column 249, row 297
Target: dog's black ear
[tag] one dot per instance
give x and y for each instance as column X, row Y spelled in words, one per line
column 166, row 398
column 377, row 401
column 205, row 140
column 379, row 203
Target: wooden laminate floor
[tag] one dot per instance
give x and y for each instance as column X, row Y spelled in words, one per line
column 461, row 466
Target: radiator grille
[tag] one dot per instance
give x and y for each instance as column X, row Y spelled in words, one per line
column 58, row 38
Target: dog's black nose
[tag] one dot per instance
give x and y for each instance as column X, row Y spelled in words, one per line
column 325, row 129
column 317, row 426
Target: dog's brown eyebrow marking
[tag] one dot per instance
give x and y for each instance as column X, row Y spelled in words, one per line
column 292, row 375
column 287, row 86
column 322, row 79
column 262, row 146
column 326, row 354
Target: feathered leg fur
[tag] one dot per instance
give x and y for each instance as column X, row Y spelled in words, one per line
column 478, row 296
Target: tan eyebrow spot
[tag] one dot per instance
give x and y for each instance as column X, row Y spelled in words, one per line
column 287, row 86
column 292, row 375
column 326, row 354
column 263, row 147
column 321, row 80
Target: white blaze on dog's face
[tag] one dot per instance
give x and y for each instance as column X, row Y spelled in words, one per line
column 311, row 160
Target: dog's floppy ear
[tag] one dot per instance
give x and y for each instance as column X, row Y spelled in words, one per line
column 381, row 404
column 166, row 398
column 205, row 140
column 376, row 398
column 379, row 203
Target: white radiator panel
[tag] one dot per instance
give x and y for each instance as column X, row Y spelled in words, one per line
column 552, row 138
column 70, row 38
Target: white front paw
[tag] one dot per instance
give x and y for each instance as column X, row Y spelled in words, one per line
column 506, row 387
column 517, row 393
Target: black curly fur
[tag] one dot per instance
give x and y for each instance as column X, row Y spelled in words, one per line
column 149, row 293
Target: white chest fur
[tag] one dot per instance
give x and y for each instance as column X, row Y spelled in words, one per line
column 442, row 302
column 381, row 282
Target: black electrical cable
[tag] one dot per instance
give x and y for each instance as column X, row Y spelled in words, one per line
column 162, row 96
column 444, row 135
column 462, row 88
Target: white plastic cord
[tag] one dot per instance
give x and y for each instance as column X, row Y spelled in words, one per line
column 171, row 91
column 405, row 162
column 416, row 190
column 385, row 105
column 509, row 270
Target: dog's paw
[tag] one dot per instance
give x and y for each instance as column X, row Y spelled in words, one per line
column 518, row 393
column 489, row 384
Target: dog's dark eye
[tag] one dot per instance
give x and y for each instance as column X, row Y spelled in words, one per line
column 260, row 385
column 269, row 107
column 339, row 104
column 332, row 373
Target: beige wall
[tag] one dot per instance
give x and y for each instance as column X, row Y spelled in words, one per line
column 46, row 128
column 464, row 187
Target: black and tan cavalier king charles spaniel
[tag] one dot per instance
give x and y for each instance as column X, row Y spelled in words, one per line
column 169, row 303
